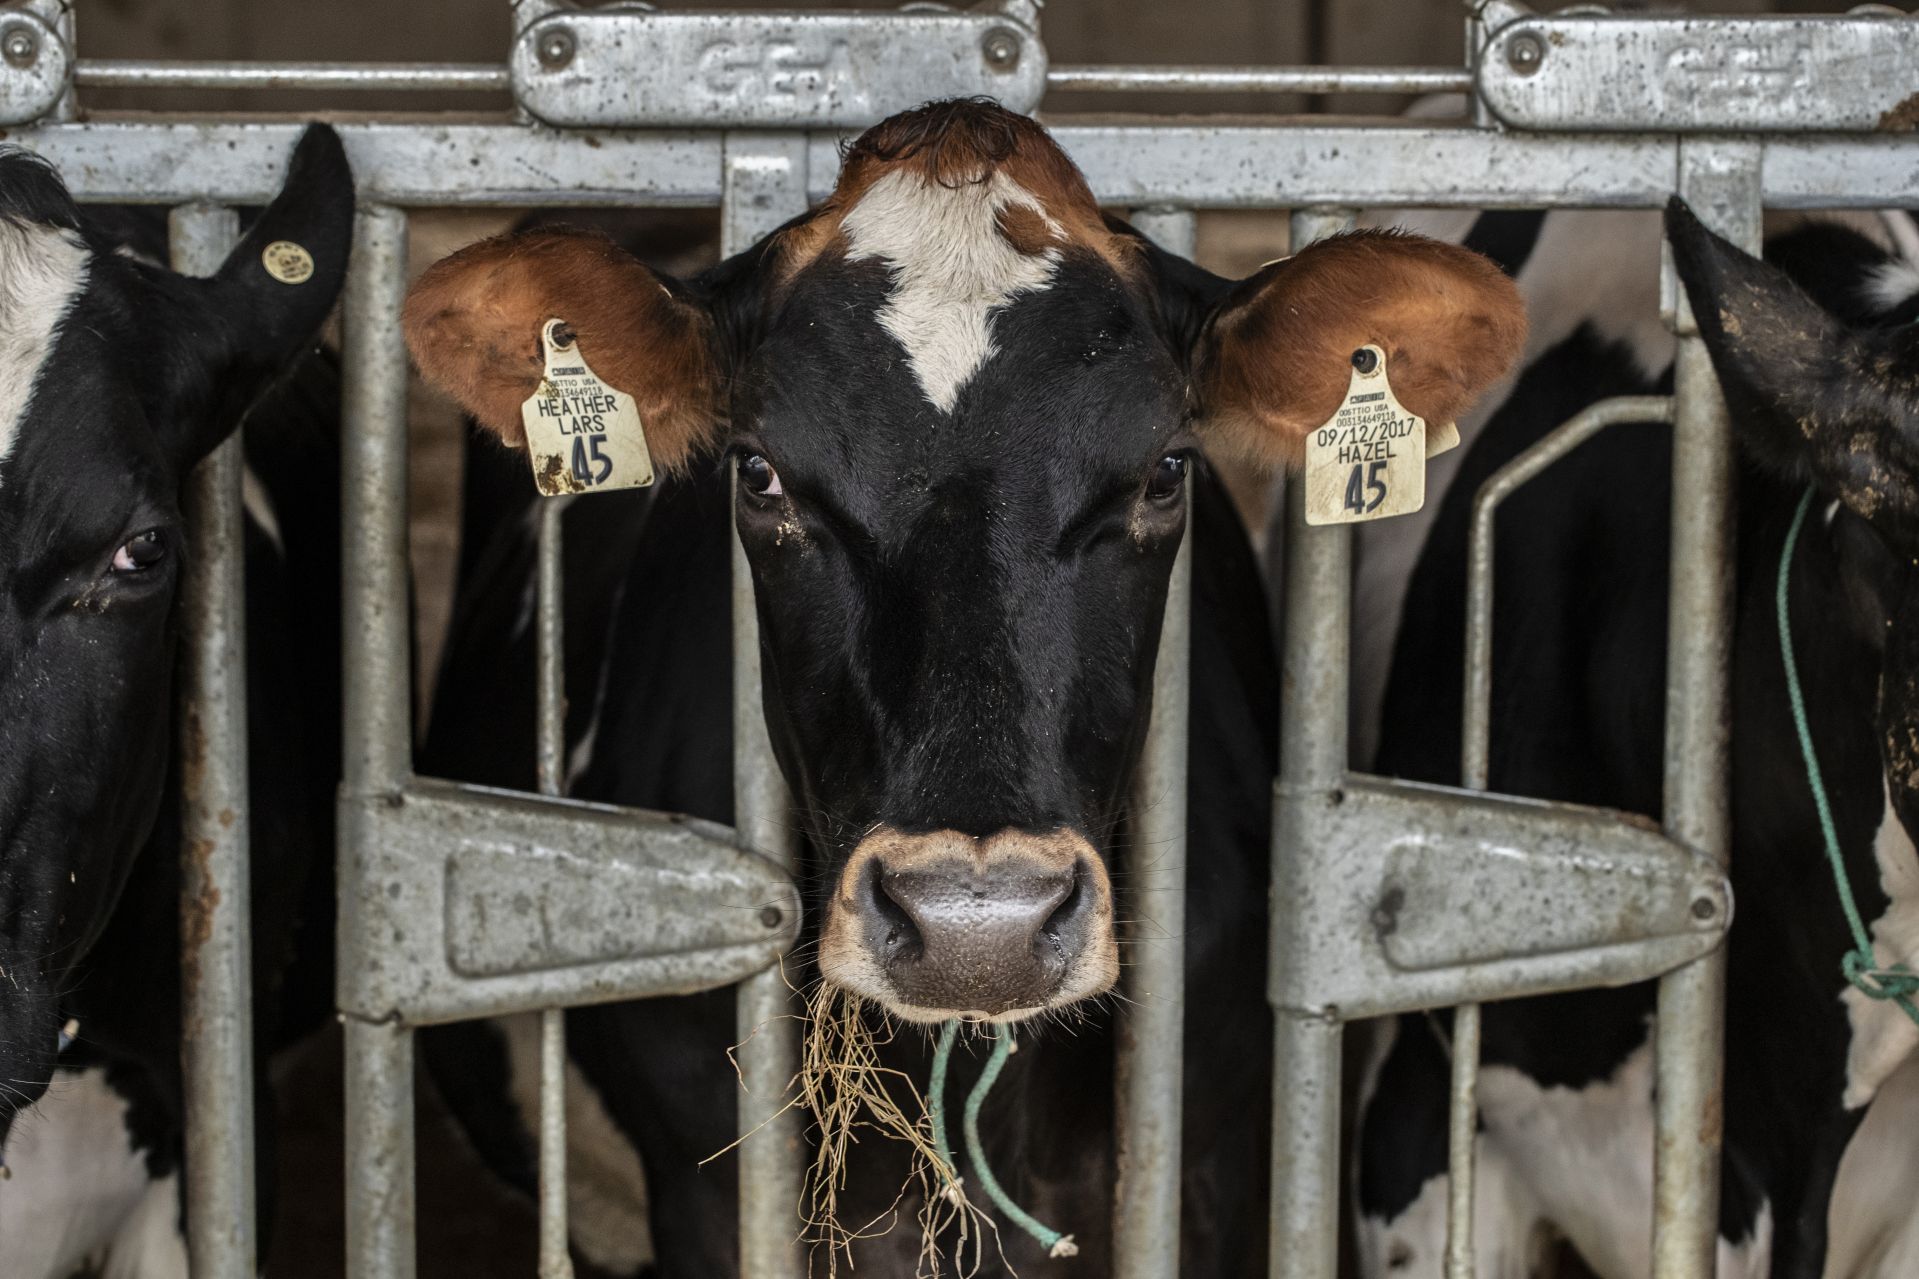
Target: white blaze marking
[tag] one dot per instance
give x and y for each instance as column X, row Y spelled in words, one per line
column 77, row 1184
column 42, row 270
column 1883, row 1036
column 951, row 267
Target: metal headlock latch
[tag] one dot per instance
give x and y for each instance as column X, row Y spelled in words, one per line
column 1606, row 72
column 1403, row 896
column 36, row 60
column 627, row 67
column 470, row 902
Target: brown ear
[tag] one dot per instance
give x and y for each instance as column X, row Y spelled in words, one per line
column 1274, row 360
column 473, row 323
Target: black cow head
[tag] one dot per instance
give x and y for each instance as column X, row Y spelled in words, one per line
column 116, row 376
column 962, row 402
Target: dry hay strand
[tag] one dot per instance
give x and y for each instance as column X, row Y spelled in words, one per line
column 847, row 1089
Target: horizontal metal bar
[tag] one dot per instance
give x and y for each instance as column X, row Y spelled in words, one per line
column 1402, row 896
column 470, row 902
column 132, row 73
column 1205, row 79
column 1287, row 163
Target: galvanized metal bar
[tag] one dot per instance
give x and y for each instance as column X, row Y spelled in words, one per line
column 1312, row 757
column 1462, row 1127
column 1721, row 178
column 378, row 711
column 555, row 1261
column 1211, row 79
column 1172, row 228
column 216, row 964
column 765, row 184
column 1151, row 1071
column 412, row 77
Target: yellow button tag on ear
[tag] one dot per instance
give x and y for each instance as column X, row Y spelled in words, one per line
column 1368, row 461
column 581, row 435
column 287, row 262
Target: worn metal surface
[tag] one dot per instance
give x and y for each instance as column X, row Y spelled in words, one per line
column 1209, row 79
column 216, row 960
column 621, row 67
column 378, row 754
column 556, row 1261
column 1721, row 180
column 127, row 73
column 1194, row 164
column 1312, row 756
column 1146, row 1203
column 36, row 58
column 765, row 176
column 1782, row 74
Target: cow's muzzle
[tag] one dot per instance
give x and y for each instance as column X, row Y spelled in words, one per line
column 946, row 925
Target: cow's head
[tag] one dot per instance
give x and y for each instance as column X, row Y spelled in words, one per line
column 116, row 376
column 962, row 404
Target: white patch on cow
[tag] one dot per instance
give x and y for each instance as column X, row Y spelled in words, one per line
column 150, row 1245
column 77, row 1185
column 1586, row 1154
column 606, row 1200
column 258, row 504
column 1892, row 284
column 42, row 270
column 1597, row 267
column 1871, row 1229
column 951, row 266
column 1510, row 1239
column 1883, row 1037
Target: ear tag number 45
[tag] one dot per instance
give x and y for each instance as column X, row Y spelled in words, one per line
column 581, row 435
column 1369, row 460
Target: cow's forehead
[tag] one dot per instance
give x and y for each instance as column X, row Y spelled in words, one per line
column 43, row 271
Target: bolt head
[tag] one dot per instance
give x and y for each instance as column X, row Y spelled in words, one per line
column 772, row 916
column 1704, row 908
column 20, row 46
column 1001, row 49
column 1524, row 52
column 556, row 48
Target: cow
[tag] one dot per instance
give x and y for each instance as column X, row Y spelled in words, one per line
column 956, row 408
column 1817, row 357
column 116, row 377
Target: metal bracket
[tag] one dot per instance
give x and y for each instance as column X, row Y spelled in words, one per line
column 1609, row 73
column 1402, row 896
column 473, row 901
column 622, row 68
column 36, row 62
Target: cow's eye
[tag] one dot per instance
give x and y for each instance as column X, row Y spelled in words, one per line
column 759, row 476
column 140, row 553
column 1168, row 474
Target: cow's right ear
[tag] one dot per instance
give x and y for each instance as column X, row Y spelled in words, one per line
column 473, row 322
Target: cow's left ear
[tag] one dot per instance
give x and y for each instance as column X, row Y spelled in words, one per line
column 1274, row 358
column 229, row 336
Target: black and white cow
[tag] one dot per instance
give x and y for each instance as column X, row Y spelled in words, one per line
column 960, row 403
column 116, row 377
column 1822, row 1088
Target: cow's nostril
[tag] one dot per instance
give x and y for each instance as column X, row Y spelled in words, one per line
column 899, row 937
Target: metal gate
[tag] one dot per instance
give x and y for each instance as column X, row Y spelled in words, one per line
column 1387, row 897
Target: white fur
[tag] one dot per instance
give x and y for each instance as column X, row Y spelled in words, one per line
column 42, row 270
column 1883, row 1037
column 1892, row 283
column 80, row 1195
column 1509, row 1237
column 1871, row 1229
column 951, row 267
column 606, row 1199
column 1589, row 266
column 258, row 504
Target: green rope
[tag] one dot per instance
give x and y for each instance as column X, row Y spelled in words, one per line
column 1898, row 983
column 1055, row 1243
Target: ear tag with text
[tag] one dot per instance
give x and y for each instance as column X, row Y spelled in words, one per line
column 1368, row 461
column 581, row 434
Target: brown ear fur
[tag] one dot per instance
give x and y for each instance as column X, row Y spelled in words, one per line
column 1275, row 358
column 473, row 323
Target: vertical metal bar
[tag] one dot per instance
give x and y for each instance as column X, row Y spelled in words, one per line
column 378, row 704
column 1312, row 757
column 764, row 185
column 1150, row 1081
column 1173, row 229
column 555, row 1262
column 1461, row 1128
column 1721, row 179
column 216, row 969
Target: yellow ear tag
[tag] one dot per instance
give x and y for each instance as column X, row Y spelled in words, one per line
column 581, row 435
column 1368, row 461
column 287, row 262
